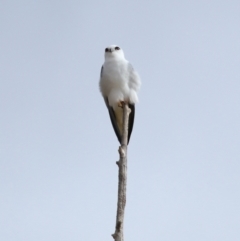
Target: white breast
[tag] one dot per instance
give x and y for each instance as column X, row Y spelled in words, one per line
column 114, row 81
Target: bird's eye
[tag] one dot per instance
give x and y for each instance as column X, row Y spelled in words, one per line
column 117, row 48
column 106, row 49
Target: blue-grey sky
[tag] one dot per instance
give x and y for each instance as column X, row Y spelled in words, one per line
column 58, row 177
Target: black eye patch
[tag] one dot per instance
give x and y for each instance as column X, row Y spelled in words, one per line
column 117, row 48
column 106, row 49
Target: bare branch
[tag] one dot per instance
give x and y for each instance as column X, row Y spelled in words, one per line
column 122, row 176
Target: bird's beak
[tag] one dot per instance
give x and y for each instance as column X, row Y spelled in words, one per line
column 110, row 50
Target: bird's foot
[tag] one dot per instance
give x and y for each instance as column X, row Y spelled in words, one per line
column 121, row 103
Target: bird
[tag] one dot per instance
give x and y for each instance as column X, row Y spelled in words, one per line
column 119, row 82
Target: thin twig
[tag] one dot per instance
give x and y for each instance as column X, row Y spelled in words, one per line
column 122, row 176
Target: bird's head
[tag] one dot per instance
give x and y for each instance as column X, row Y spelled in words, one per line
column 113, row 51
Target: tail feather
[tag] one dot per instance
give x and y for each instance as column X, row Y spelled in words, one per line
column 114, row 121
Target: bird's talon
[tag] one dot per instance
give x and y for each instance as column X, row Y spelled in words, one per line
column 120, row 104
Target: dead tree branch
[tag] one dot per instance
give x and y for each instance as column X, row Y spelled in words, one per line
column 122, row 176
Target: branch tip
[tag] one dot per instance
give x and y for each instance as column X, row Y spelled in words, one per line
column 121, row 151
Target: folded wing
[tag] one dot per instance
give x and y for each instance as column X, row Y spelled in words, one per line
column 116, row 127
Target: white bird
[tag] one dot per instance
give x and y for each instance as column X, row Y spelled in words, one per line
column 119, row 82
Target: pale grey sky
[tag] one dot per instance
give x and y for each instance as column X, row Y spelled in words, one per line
column 58, row 178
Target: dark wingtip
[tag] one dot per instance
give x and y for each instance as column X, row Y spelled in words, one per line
column 114, row 124
column 131, row 120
